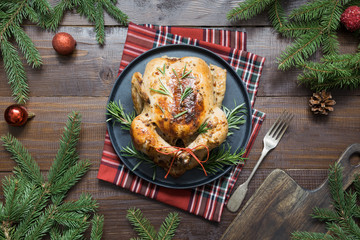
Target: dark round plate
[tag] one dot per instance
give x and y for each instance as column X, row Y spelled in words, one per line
column 235, row 91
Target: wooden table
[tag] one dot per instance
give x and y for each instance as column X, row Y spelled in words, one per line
column 83, row 82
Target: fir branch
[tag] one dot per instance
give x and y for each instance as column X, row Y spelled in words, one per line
column 340, row 221
column 248, row 9
column 169, row 226
column 67, row 155
column 97, row 227
column 330, row 19
column 14, row 13
column 330, row 44
column 42, row 224
column 115, row 12
column 29, row 212
column 70, row 177
column 70, row 219
column 85, row 204
column 117, row 114
column 222, row 157
column 302, row 49
column 28, row 48
column 310, row 11
column 297, row 29
column 141, row 225
column 99, row 23
column 277, row 15
column 23, row 158
column 15, row 72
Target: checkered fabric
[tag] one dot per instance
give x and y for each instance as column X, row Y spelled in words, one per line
column 208, row 200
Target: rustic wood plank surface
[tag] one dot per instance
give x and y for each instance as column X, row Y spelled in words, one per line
column 84, row 80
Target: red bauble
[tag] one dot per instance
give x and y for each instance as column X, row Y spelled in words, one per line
column 63, row 43
column 16, row 115
column 351, row 18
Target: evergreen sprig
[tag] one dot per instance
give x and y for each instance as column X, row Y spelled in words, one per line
column 313, row 26
column 341, row 220
column 34, row 204
column 13, row 13
column 147, row 231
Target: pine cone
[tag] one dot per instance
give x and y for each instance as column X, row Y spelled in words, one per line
column 321, row 103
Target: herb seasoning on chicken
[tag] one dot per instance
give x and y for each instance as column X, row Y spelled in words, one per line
column 174, row 98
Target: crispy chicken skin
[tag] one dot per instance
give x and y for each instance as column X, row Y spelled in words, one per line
column 165, row 120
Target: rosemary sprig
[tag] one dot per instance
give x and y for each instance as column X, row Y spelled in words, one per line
column 177, row 77
column 117, row 114
column 160, row 108
column 163, row 89
column 163, row 70
column 186, row 93
column 185, row 74
column 180, row 114
column 221, row 157
column 235, row 117
column 131, row 151
column 203, row 128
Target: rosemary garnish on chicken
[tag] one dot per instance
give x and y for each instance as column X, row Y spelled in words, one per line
column 163, row 70
column 163, row 89
column 186, row 93
column 117, row 114
column 219, row 157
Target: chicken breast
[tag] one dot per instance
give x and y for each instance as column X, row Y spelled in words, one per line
column 173, row 99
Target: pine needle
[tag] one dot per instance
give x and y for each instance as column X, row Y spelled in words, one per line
column 147, row 231
column 141, row 225
column 33, row 207
column 169, row 226
column 23, row 158
column 14, row 13
column 340, row 220
column 97, row 227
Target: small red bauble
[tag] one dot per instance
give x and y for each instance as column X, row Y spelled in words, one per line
column 16, row 115
column 63, row 43
column 351, row 18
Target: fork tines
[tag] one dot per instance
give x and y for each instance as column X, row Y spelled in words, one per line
column 281, row 124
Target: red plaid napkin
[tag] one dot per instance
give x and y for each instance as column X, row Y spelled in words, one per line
column 208, row 200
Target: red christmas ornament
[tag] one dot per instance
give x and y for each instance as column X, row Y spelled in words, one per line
column 17, row 115
column 63, row 43
column 351, row 18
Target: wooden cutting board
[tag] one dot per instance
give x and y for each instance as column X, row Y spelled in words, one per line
column 280, row 206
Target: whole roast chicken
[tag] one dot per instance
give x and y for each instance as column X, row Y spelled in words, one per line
column 178, row 102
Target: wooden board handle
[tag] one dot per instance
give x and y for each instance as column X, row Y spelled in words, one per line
column 349, row 170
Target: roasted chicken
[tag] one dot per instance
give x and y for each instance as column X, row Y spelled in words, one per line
column 174, row 99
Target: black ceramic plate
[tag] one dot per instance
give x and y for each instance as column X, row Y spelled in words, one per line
column 235, row 91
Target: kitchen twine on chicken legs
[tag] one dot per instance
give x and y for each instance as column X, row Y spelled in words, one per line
column 188, row 150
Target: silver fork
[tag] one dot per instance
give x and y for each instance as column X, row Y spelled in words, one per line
column 271, row 140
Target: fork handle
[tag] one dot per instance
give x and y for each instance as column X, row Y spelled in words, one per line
column 238, row 196
column 262, row 156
